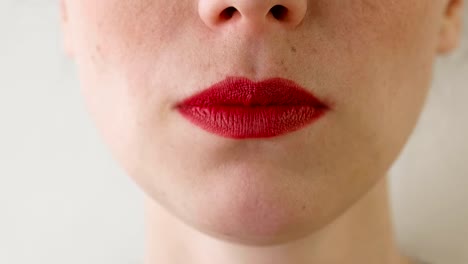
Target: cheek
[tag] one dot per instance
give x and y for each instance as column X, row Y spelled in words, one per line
column 389, row 51
column 378, row 67
column 122, row 48
column 117, row 30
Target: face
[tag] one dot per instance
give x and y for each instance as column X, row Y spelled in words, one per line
column 371, row 60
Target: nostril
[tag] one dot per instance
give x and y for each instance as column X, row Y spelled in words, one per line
column 279, row 12
column 228, row 13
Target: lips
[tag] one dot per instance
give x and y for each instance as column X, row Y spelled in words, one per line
column 240, row 108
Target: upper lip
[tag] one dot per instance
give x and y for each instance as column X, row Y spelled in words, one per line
column 239, row 91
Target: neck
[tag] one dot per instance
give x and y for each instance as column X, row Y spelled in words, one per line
column 363, row 234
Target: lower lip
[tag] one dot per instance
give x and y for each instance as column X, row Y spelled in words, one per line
column 251, row 122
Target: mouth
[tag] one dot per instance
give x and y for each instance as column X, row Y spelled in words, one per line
column 240, row 108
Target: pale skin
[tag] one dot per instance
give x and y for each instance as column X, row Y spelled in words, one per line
column 316, row 195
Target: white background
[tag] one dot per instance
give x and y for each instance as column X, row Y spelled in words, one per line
column 64, row 200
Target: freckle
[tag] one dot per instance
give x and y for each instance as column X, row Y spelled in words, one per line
column 303, row 207
column 293, row 49
column 282, row 62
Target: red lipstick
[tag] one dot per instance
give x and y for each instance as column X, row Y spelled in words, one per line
column 240, row 108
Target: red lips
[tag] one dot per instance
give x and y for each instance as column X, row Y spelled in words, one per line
column 239, row 108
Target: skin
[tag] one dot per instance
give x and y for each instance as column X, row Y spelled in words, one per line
column 302, row 196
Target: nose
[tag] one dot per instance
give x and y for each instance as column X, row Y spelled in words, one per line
column 252, row 14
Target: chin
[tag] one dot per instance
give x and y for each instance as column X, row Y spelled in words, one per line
column 254, row 212
column 255, row 225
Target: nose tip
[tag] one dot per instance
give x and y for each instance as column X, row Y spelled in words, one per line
column 252, row 13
